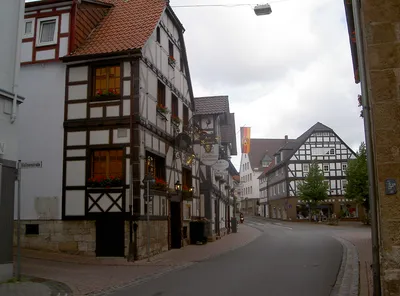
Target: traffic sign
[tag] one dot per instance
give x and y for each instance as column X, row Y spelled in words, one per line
column 31, row 165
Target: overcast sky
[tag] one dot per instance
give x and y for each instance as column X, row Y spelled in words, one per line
column 283, row 72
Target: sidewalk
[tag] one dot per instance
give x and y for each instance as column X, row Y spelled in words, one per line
column 88, row 276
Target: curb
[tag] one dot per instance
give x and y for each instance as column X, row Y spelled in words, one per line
column 347, row 281
column 56, row 288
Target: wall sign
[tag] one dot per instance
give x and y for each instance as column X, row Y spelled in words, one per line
column 209, row 154
column 390, row 187
column 221, row 165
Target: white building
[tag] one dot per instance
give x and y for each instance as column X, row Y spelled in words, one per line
column 11, row 19
column 251, row 166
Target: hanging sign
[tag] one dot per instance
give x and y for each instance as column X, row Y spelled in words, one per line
column 221, row 165
column 209, row 154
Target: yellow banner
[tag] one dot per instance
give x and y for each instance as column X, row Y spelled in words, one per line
column 245, row 136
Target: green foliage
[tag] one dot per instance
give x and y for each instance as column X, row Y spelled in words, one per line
column 313, row 189
column 357, row 178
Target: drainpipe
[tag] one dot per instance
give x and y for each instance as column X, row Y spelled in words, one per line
column 369, row 145
column 17, row 59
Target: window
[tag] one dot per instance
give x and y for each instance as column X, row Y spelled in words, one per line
column 29, row 28
column 47, row 31
column 155, row 166
column 158, row 35
column 107, row 81
column 107, row 163
column 186, row 178
column 161, row 93
column 321, row 151
column 332, row 151
column 31, row 229
column 306, row 168
column 174, row 106
column 265, row 163
column 185, row 115
column 326, row 168
column 170, row 49
column 344, row 184
column 344, row 166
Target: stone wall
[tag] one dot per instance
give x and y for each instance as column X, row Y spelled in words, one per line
column 72, row 237
column 79, row 237
column 158, row 237
column 381, row 27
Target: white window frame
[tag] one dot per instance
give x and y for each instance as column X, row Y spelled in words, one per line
column 39, row 26
column 326, row 166
column 344, row 184
column 344, row 167
column 31, row 34
column 306, row 167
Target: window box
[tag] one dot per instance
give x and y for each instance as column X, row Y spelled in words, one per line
column 106, row 95
column 104, row 182
column 175, row 120
column 47, row 30
column 171, row 61
column 162, row 109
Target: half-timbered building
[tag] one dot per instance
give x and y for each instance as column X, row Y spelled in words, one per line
column 218, row 132
column 291, row 165
column 127, row 117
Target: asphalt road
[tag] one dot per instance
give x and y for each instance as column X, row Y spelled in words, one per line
column 281, row 262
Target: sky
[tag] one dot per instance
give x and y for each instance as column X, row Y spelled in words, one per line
column 283, row 72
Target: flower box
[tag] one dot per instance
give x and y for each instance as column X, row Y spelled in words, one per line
column 171, row 61
column 104, row 182
column 162, row 109
column 176, row 120
column 111, row 92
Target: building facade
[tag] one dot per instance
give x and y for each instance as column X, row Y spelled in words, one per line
column 127, row 108
column 252, row 165
column 11, row 22
column 217, row 127
column 291, row 165
column 379, row 23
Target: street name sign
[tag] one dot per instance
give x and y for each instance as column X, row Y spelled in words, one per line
column 31, row 165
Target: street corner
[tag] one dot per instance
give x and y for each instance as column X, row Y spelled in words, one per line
column 347, row 281
column 32, row 286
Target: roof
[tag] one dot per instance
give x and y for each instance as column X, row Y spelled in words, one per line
column 261, row 147
column 211, row 105
column 292, row 146
column 232, row 170
column 127, row 26
column 348, row 8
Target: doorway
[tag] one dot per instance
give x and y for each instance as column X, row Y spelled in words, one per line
column 110, row 236
column 176, row 223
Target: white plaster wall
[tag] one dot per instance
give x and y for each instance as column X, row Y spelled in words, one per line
column 45, row 55
column 8, row 131
column 40, row 128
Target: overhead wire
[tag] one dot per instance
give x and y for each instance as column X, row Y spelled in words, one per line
column 225, row 5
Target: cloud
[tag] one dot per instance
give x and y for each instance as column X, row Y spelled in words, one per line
column 283, row 72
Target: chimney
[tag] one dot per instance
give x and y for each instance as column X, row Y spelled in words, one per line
column 286, row 138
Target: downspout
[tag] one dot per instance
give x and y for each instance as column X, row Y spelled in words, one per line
column 17, row 60
column 369, row 145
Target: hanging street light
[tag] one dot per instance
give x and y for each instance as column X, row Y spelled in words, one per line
column 263, row 9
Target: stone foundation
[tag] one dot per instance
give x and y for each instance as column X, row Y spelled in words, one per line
column 79, row 237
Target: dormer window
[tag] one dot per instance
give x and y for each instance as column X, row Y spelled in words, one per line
column 28, row 28
column 47, row 31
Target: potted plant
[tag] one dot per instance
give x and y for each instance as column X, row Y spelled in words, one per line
column 106, row 93
column 175, row 119
column 162, row 109
column 105, row 182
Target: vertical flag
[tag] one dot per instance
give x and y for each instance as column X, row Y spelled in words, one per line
column 245, row 136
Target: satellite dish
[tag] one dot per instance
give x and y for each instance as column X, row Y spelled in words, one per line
column 263, row 9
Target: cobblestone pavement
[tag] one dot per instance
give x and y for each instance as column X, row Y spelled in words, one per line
column 91, row 276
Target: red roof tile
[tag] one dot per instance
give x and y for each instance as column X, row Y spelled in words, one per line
column 127, row 26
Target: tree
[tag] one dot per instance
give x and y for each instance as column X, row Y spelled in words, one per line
column 313, row 189
column 357, row 179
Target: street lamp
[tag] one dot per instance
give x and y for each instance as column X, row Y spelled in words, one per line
column 263, row 9
column 178, row 186
column 148, row 179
